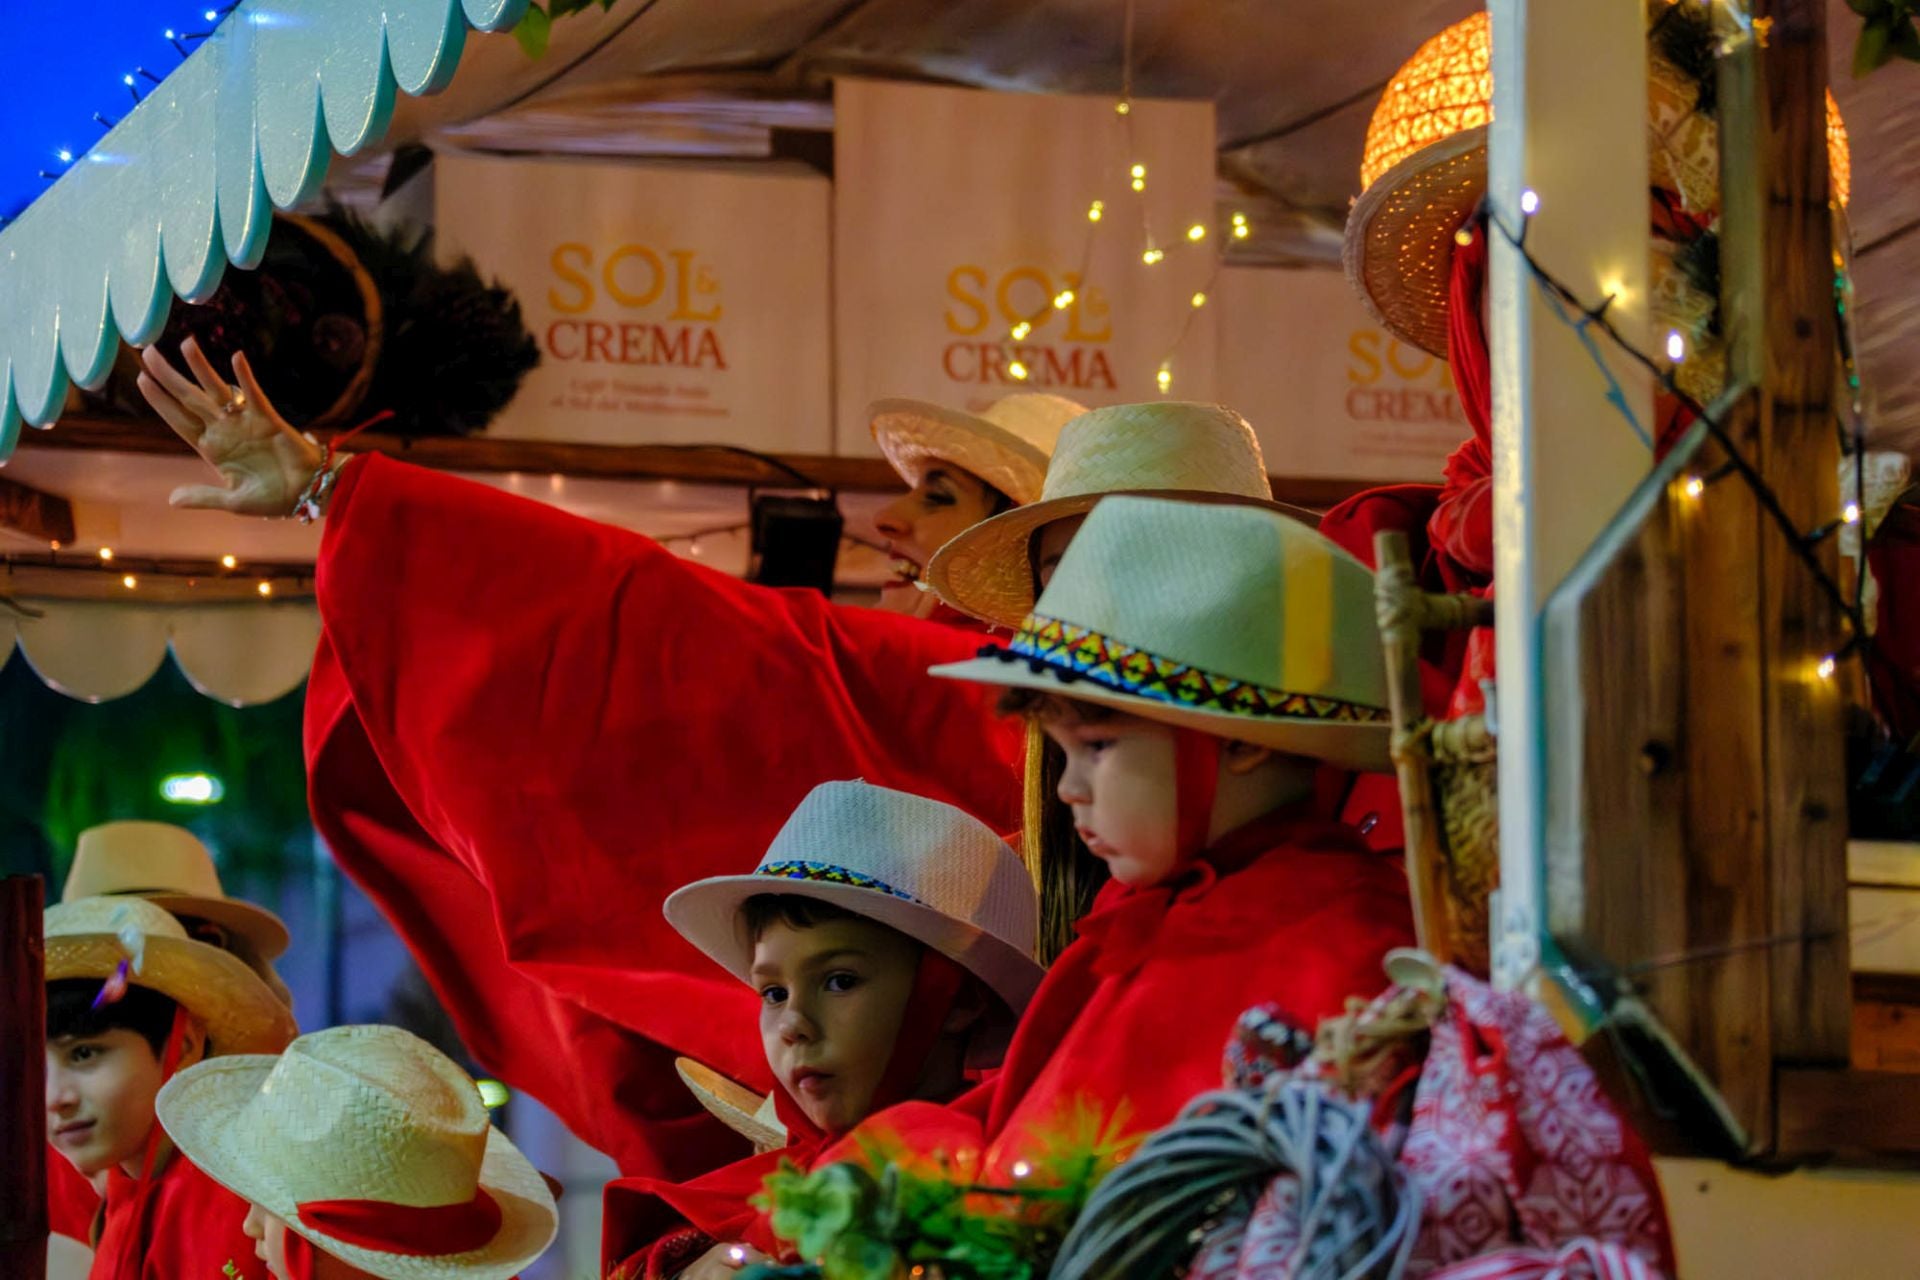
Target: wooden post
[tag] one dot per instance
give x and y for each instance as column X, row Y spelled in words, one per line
column 23, row 1081
column 1570, row 102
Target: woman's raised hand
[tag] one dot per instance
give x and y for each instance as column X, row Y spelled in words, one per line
column 265, row 463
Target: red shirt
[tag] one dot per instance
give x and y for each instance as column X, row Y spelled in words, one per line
column 193, row 1229
column 525, row 729
column 72, row 1202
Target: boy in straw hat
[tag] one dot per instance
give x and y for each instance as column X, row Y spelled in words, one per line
column 169, row 867
column 890, row 941
column 1195, row 663
column 361, row 1153
column 130, row 1000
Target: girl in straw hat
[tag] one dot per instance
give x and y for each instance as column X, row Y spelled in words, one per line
column 890, row 940
column 1195, row 663
column 131, row 999
column 362, row 1153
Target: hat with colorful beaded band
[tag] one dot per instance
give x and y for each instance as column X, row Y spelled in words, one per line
column 1194, row 452
column 374, row 1146
column 1006, row 445
column 1236, row 621
column 94, row 937
column 926, row 869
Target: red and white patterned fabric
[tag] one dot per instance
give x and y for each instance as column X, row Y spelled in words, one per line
column 1513, row 1142
column 1580, row 1260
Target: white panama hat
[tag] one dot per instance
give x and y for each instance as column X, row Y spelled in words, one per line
column 365, row 1114
column 916, row 865
column 1236, row 621
column 1196, row 452
column 168, row 866
column 90, row 937
column 1006, row 445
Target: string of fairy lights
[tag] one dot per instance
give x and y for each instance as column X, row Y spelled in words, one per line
column 1588, row 318
column 1152, row 252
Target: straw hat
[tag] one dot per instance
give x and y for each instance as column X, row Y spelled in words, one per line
column 734, row 1105
column 1005, row 445
column 366, row 1114
column 168, row 866
column 89, row 938
column 925, row 868
column 1197, row 452
column 1236, row 621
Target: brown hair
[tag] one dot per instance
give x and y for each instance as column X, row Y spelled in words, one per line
column 1043, row 704
column 795, row 910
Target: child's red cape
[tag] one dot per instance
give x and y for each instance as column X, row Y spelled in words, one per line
column 525, row 729
column 194, row 1227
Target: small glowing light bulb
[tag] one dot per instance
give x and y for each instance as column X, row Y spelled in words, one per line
column 66, row 156
column 228, row 561
column 1017, row 371
column 129, row 582
column 1062, row 300
column 1529, row 202
column 1199, row 299
column 1676, row 346
column 1463, row 237
column 1828, row 665
column 1122, row 107
column 1152, row 256
column 1164, row 378
column 127, row 80
column 1021, row 330
column 1095, row 209
column 265, row 588
column 1196, row 232
column 106, row 553
column 1850, row 514
column 1139, row 184
column 1021, row 1168
column 212, row 16
column 1241, row 231
column 1694, row 486
column 1139, row 171
column 169, row 34
column 737, row 1255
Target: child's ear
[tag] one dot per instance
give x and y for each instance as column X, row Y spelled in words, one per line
column 1242, row 758
column 193, row 1042
column 969, row 1006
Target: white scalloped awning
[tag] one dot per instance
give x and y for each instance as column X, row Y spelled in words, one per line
column 240, row 654
column 187, row 180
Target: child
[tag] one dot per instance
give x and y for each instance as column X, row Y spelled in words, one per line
column 1195, row 664
column 890, row 938
column 130, row 1000
column 363, row 1152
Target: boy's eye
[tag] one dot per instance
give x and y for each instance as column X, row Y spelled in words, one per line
column 773, row 995
column 83, row 1053
column 1097, row 745
column 842, row 982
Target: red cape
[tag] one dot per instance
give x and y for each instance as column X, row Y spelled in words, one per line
column 525, row 729
column 193, row 1229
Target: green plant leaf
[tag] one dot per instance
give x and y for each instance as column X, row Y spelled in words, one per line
column 1906, row 40
column 1866, row 8
column 1875, row 47
column 532, row 31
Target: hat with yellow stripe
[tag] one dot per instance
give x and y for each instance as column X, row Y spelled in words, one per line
column 1236, row 621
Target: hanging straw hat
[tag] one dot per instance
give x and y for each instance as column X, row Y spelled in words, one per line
column 924, row 868
column 90, row 938
column 734, row 1105
column 168, row 866
column 1236, row 621
column 1425, row 171
column 1196, row 452
column 374, row 1146
column 1006, row 445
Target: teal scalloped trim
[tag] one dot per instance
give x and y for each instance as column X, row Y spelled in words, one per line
column 188, row 180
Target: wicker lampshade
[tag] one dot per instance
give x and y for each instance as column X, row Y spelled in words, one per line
column 1446, row 88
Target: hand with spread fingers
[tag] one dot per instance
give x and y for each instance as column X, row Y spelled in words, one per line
column 266, row 464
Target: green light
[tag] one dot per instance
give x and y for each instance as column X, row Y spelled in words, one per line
column 191, row 788
column 493, row 1094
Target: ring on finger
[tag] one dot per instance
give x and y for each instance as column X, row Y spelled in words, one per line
column 235, row 403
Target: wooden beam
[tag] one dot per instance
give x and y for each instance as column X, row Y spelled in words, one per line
column 1827, row 1111
column 46, row 516
column 23, row 1069
column 687, row 464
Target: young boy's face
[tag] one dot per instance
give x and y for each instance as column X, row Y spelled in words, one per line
column 271, row 1242
column 832, row 998
column 1119, row 781
column 100, row 1091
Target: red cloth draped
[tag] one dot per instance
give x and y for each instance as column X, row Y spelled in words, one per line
column 193, row 1228
column 522, row 717
column 72, row 1202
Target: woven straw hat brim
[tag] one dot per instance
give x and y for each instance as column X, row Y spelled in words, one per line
column 986, row 570
column 736, row 1107
column 707, row 912
column 260, row 927
column 241, row 1013
column 201, row 1111
column 914, row 434
column 1361, row 747
column 1399, row 240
